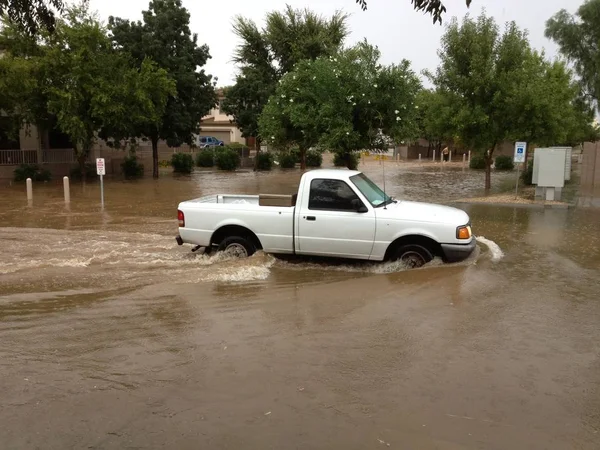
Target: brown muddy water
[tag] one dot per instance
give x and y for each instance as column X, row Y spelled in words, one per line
column 112, row 336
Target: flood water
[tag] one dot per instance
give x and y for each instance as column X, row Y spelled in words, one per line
column 112, row 336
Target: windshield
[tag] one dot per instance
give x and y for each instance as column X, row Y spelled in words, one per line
column 370, row 190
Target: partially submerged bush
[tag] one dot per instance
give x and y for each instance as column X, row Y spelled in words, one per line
column 287, row 161
column 477, row 162
column 33, row 171
column 132, row 168
column 346, row 159
column 182, row 162
column 205, row 158
column 227, row 159
column 265, row 161
column 504, row 162
column 314, row 158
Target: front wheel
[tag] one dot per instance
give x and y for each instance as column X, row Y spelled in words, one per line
column 412, row 255
column 237, row 246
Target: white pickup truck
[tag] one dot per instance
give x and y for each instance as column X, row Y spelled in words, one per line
column 336, row 213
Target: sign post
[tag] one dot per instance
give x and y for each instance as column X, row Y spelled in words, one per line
column 520, row 149
column 101, row 170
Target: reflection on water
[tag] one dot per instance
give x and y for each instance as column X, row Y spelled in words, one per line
column 117, row 337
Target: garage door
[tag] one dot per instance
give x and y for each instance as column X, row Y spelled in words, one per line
column 224, row 136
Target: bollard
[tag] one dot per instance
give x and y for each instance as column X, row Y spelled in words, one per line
column 419, row 158
column 464, row 158
column 469, row 160
column 450, row 156
column 67, row 190
column 441, row 156
column 29, row 189
column 434, row 156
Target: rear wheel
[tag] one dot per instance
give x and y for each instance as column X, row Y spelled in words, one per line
column 237, row 246
column 412, row 255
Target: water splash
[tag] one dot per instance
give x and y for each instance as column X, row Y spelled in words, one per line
column 495, row 251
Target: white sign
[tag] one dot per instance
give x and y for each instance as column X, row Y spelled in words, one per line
column 100, row 167
column 520, row 149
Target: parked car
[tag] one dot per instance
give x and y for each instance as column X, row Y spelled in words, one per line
column 336, row 213
column 209, row 141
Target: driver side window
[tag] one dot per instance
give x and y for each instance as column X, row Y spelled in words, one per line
column 331, row 195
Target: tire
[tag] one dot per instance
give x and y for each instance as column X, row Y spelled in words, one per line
column 237, row 246
column 412, row 255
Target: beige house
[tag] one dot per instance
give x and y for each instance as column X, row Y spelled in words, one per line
column 219, row 125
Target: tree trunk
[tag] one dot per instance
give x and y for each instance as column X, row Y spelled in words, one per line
column 154, row 157
column 489, row 158
column 302, row 158
column 257, row 148
column 81, row 160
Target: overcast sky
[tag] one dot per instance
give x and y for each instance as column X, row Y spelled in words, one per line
column 392, row 25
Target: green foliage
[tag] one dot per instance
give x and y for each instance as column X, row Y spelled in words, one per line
column 434, row 116
column 346, row 159
column 33, row 171
column 132, row 168
column 287, row 160
column 527, row 175
column 433, row 7
column 314, row 158
column 227, row 159
column 504, row 162
column 265, row 161
column 477, row 162
column 32, row 16
column 264, row 55
column 500, row 89
column 182, row 163
column 89, row 172
column 343, row 103
column 205, row 158
column 164, row 163
column 165, row 37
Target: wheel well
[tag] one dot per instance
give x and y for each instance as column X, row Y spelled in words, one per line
column 234, row 230
column 434, row 247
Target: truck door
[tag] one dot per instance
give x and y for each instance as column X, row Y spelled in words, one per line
column 329, row 223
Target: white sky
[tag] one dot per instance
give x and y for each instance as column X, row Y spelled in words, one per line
column 392, row 25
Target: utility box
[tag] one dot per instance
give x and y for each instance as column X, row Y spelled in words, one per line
column 551, row 167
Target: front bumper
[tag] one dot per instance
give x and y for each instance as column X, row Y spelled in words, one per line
column 458, row 252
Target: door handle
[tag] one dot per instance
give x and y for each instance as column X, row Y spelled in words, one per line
column 311, row 218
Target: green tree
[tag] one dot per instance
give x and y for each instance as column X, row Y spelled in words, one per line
column 577, row 37
column 434, row 118
column 499, row 89
column 266, row 54
column 94, row 88
column 32, row 15
column 164, row 36
column 433, row 7
column 344, row 103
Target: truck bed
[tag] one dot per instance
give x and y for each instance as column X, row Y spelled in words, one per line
column 240, row 199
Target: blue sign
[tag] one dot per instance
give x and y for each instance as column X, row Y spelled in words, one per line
column 520, row 148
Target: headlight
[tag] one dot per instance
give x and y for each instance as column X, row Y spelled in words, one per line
column 464, row 232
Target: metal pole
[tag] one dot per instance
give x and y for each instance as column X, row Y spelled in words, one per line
column 29, row 189
column 517, row 184
column 102, row 190
column 67, row 190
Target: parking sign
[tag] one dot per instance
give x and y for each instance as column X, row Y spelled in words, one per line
column 100, row 167
column 520, row 148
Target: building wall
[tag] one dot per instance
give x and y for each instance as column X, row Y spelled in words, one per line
column 590, row 170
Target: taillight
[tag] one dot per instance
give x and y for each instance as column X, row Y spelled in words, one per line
column 181, row 218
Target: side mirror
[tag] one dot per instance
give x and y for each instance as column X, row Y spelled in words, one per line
column 359, row 207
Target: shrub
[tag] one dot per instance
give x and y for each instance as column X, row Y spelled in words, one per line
column 287, row 160
column 346, row 159
column 227, row 159
column 89, row 169
column 182, row 162
column 504, row 163
column 314, row 158
column 33, row 171
column 477, row 162
column 164, row 163
column 265, row 161
column 527, row 175
column 131, row 167
column 205, row 158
